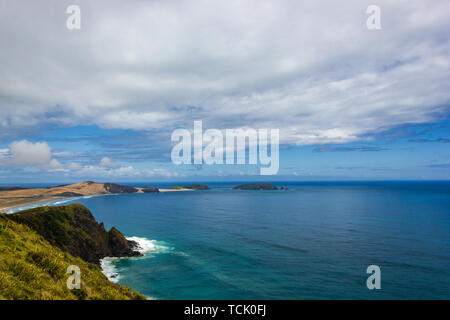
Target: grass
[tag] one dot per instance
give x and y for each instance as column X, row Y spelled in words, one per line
column 32, row 268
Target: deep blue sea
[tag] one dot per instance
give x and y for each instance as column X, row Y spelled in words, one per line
column 313, row 241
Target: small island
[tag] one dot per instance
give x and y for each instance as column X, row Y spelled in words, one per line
column 192, row 187
column 256, row 186
column 148, row 189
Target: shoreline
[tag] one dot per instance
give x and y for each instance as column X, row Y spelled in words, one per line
column 43, row 200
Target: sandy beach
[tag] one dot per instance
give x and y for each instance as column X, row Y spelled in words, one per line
column 15, row 198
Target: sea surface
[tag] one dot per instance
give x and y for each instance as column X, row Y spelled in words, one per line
column 313, row 241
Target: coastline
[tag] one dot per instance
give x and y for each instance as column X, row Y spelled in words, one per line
column 29, row 201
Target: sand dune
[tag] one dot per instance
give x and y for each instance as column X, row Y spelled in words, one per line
column 26, row 196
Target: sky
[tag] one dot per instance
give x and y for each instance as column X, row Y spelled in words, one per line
column 101, row 102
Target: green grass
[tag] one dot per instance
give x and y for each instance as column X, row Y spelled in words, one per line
column 32, row 268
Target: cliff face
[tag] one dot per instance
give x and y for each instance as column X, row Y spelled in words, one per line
column 32, row 268
column 117, row 188
column 73, row 229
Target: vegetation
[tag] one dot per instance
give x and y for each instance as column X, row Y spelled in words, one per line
column 73, row 229
column 32, row 268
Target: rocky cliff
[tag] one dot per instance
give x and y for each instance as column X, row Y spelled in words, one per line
column 73, row 229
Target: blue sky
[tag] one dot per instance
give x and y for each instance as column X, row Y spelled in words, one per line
column 100, row 103
column 414, row 151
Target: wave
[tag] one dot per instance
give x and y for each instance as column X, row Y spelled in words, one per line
column 109, row 268
column 110, row 265
column 146, row 246
column 49, row 203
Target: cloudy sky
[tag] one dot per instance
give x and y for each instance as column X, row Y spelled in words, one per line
column 101, row 102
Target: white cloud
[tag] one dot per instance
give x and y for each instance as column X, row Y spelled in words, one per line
column 55, row 164
column 74, row 166
column 311, row 69
column 129, row 171
column 107, row 162
column 25, row 153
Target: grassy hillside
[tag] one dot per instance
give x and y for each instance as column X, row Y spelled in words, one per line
column 73, row 229
column 32, row 268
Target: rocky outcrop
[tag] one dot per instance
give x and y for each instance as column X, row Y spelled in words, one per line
column 117, row 188
column 193, row 187
column 73, row 229
column 31, row 268
column 148, row 189
column 256, row 186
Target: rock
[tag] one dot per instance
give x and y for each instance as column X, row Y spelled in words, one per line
column 198, row 187
column 148, row 189
column 193, row 187
column 73, row 229
column 117, row 188
column 256, row 186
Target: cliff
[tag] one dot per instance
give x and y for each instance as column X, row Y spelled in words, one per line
column 73, row 229
column 33, row 268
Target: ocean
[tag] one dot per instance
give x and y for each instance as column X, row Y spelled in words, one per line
column 313, row 241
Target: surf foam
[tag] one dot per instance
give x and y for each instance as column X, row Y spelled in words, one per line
column 145, row 246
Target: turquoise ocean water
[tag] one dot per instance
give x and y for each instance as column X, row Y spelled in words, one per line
column 313, row 241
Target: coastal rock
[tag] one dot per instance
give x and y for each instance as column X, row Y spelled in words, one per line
column 256, row 186
column 196, row 186
column 73, row 229
column 117, row 188
column 31, row 268
column 148, row 189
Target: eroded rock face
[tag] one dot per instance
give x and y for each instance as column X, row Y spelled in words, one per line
column 117, row 188
column 73, row 229
column 256, row 186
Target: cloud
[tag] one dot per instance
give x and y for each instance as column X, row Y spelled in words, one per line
column 439, row 166
column 107, row 162
column 311, row 69
column 129, row 171
column 326, row 148
column 74, row 166
column 442, row 140
column 28, row 154
column 55, row 164
column 25, row 153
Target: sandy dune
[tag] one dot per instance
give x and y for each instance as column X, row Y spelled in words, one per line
column 26, row 196
column 14, row 198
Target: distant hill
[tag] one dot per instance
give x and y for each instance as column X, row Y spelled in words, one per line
column 17, row 197
column 256, row 186
column 192, row 187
